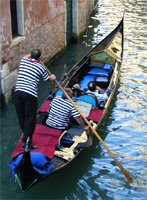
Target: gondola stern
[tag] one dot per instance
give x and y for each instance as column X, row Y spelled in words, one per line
column 23, row 186
column 25, row 174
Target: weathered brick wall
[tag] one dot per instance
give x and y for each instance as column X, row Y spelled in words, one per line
column 83, row 15
column 5, row 23
column 39, row 12
column 82, row 10
column 44, row 29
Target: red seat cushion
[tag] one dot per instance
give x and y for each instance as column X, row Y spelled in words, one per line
column 45, row 138
column 45, row 106
column 95, row 115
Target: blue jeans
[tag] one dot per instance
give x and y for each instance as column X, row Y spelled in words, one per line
column 26, row 108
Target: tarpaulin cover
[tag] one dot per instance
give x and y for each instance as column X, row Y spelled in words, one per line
column 45, row 138
column 39, row 162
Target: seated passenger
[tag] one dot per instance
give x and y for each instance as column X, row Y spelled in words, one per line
column 98, row 92
column 77, row 91
column 60, row 112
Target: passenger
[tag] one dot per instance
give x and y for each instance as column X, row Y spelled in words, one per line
column 77, row 90
column 60, row 112
column 98, row 92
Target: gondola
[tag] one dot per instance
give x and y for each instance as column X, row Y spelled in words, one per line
column 57, row 149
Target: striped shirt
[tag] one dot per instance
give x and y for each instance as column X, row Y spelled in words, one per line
column 29, row 74
column 60, row 112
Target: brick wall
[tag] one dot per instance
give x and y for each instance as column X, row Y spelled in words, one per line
column 82, row 10
column 44, row 28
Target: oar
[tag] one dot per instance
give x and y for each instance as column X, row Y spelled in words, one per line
column 126, row 174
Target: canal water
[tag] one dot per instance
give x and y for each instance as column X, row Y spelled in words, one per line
column 94, row 175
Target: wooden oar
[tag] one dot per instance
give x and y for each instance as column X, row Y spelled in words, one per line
column 126, row 174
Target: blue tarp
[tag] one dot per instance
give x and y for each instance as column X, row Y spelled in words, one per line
column 39, row 162
column 88, row 99
column 108, row 67
column 86, row 80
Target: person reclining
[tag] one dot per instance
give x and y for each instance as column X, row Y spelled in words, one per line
column 100, row 94
column 60, row 112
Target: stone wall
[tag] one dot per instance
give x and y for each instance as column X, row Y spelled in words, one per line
column 82, row 10
column 44, row 27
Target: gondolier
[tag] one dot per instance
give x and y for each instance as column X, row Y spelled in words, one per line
column 26, row 93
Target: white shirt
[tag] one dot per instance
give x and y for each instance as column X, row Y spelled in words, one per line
column 101, row 97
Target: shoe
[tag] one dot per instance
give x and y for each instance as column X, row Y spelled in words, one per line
column 23, row 145
column 29, row 146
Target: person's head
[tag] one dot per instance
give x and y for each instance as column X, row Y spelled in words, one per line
column 91, row 86
column 69, row 92
column 35, row 54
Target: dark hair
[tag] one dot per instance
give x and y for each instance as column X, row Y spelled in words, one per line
column 92, row 86
column 35, row 53
column 69, row 92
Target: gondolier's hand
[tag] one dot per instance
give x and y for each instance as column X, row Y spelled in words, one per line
column 52, row 77
column 86, row 128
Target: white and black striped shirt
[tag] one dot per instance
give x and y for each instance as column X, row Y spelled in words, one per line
column 60, row 112
column 29, row 74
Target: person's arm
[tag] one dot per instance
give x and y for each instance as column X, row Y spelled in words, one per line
column 81, row 122
column 45, row 74
column 100, row 89
column 52, row 77
column 48, row 110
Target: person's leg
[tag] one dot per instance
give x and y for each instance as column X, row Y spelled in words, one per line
column 30, row 116
column 19, row 106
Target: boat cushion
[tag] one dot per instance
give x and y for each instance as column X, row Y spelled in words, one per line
column 86, row 79
column 45, row 138
column 99, row 72
column 102, row 79
column 99, row 65
column 95, row 115
column 108, row 67
column 88, row 99
column 45, row 106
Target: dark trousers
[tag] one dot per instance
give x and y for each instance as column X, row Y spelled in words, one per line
column 26, row 108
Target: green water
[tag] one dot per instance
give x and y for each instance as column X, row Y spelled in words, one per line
column 93, row 175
